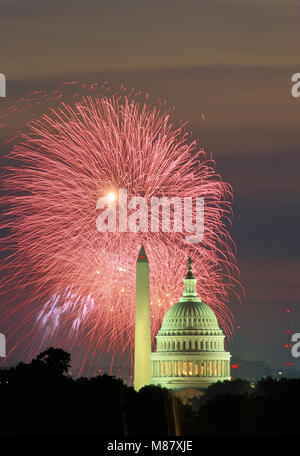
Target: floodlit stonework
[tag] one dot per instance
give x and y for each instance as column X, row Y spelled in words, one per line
column 190, row 345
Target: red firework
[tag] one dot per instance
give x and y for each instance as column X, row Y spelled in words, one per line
column 79, row 283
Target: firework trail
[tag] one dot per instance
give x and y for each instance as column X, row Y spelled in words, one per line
column 77, row 284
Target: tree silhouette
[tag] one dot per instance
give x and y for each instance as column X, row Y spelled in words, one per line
column 229, row 387
column 39, row 399
column 54, row 359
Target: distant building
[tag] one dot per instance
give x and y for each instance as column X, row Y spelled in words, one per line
column 249, row 370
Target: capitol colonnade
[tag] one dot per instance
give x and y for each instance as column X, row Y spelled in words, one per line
column 188, row 367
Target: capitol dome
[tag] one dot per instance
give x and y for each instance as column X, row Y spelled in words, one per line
column 190, row 345
column 190, row 316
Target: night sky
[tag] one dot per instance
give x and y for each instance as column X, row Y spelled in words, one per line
column 231, row 60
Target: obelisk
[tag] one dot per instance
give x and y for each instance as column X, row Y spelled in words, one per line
column 142, row 339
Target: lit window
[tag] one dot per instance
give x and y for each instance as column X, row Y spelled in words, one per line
column 207, row 369
column 178, row 368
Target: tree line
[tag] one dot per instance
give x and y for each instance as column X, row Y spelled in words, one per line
column 40, row 398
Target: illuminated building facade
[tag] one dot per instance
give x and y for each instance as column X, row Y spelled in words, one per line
column 190, row 345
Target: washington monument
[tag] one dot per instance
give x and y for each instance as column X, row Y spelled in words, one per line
column 142, row 347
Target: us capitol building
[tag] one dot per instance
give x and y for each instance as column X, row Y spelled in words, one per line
column 190, row 345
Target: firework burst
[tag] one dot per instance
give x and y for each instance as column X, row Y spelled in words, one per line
column 80, row 284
